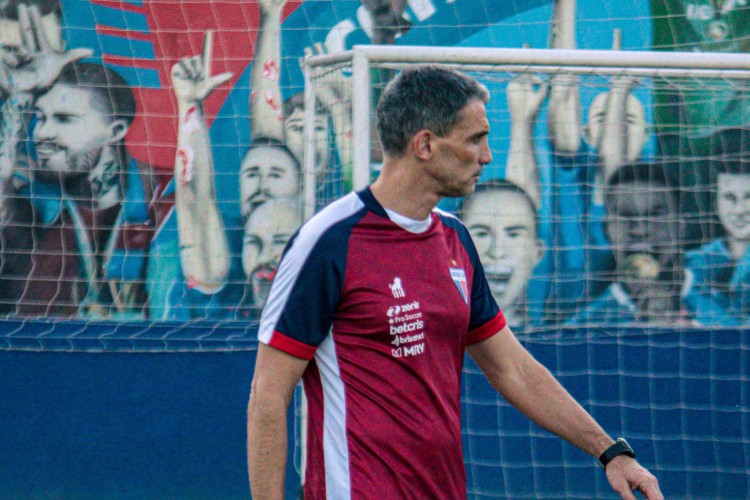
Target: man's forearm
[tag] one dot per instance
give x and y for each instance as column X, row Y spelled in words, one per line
column 531, row 388
column 204, row 250
column 266, row 448
column 540, row 397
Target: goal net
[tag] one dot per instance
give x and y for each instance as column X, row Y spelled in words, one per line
column 610, row 227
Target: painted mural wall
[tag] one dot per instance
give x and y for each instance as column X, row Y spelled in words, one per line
column 150, row 156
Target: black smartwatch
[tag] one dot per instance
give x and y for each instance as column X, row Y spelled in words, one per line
column 621, row 447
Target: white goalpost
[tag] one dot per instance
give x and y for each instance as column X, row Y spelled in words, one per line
column 362, row 58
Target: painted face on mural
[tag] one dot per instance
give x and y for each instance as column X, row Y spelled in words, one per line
column 636, row 124
column 267, row 172
column 72, row 129
column 643, row 224
column 267, row 231
column 502, row 223
column 294, row 134
column 733, row 204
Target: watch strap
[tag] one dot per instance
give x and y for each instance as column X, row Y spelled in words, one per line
column 621, row 447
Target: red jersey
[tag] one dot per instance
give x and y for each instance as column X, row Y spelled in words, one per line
column 384, row 315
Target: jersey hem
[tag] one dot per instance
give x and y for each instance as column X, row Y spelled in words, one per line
column 290, row 346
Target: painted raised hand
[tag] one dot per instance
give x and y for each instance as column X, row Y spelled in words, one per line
column 526, row 94
column 191, row 77
column 333, row 88
column 36, row 64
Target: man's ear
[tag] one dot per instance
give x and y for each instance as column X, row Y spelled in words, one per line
column 422, row 144
column 117, row 130
column 539, row 251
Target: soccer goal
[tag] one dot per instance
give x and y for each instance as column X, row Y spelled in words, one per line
column 601, row 148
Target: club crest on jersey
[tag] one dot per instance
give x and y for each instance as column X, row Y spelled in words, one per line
column 459, row 278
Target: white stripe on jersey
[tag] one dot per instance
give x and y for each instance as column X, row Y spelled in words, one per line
column 296, row 256
column 335, row 444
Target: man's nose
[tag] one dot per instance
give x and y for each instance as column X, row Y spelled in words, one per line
column 485, row 156
column 639, row 227
column 43, row 131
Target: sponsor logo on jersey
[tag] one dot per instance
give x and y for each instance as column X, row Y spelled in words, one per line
column 406, row 339
column 396, row 288
column 403, row 352
column 459, row 278
column 407, row 327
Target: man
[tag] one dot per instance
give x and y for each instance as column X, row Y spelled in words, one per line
column 722, row 266
column 374, row 304
column 200, row 283
column 267, row 231
column 268, row 171
column 584, row 157
column 284, row 123
column 90, row 220
column 699, row 119
column 645, row 231
column 502, row 221
column 501, row 216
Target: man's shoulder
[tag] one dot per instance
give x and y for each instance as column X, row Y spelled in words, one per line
column 327, row 227
column 334, row 214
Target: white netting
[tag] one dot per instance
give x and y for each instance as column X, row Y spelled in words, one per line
column 589, row 214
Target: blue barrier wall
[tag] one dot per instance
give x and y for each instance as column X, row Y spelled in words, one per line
column 124, row 425
column 172, row 424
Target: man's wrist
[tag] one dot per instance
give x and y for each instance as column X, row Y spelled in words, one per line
column 620, row 447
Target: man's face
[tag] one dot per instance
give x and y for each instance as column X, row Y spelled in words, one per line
column 71, row 131
column 294, row 135
column 733, row 204
column 635, row 131
column 267, row 172
column 643, row 228
column 502, row 224
column 267, row 231
column 461, row 154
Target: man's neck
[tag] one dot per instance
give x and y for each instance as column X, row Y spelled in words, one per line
column 737, row 247
column 102, row 187
column 399, row 188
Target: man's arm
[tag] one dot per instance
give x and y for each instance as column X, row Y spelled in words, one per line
column 334, row 90
column 276, row 376
column 204, row 249
column 564, row 109
column 532, row 389
column 525, row 96
column 266, row 112
column 612, row 145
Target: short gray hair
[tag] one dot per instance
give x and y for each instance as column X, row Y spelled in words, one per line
column 425, row 96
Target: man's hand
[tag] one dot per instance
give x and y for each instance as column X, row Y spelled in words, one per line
column 626, row 475
column 191, row 77
column 526, row 94
column 387, row 20
column 35, row 65
column 271, row 6
column 333, row 88
column 623, row 81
